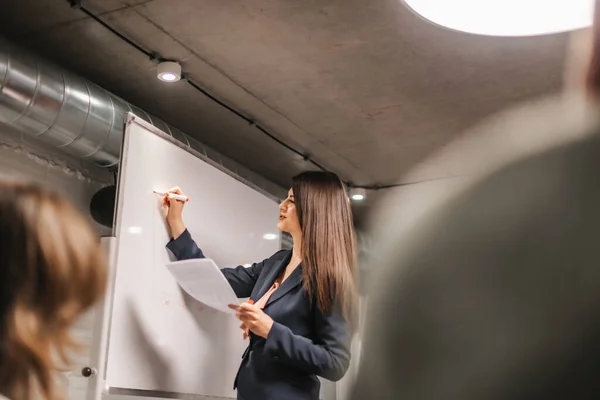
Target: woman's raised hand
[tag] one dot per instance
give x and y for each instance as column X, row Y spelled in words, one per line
column 174, row 212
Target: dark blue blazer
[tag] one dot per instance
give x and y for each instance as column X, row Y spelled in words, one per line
column 303, row 343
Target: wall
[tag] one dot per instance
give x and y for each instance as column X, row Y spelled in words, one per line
column 22, row 158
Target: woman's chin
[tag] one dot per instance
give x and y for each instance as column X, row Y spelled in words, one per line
column 281, row 226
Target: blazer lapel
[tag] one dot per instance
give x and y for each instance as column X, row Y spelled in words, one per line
column 272, row 274
column 291, row 282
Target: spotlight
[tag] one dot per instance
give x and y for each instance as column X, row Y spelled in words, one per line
column 169, row 71
column 358, row 194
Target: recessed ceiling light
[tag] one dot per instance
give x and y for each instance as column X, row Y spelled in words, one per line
column 507, row 17
column 270, row 236
column 169, row 71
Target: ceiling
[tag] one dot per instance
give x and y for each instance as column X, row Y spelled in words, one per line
column 367, row 88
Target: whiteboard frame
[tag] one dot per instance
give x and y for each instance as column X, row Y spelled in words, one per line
column 101, row 327
column 129, row 119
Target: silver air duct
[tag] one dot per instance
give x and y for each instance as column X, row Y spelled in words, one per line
column 79, row 117
column 60, row 108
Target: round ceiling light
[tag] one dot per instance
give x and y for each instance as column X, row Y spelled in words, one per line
column 169, row 71
column 358, row 194
column 507, row 17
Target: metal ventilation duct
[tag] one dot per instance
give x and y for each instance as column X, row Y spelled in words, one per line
column 59, row 108
column 79, row 117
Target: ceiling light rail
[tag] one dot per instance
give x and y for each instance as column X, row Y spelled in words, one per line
column 183, row 76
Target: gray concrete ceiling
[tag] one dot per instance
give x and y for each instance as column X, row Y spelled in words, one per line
column 367, row 88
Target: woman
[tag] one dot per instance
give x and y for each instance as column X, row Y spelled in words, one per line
column 300, row 325
column 53, row 269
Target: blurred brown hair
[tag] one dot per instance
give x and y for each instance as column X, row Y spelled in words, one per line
column 328, row 241
column 53, row 269
column 592, row 77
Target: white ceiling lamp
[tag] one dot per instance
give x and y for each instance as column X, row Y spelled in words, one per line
column 358, row 194
column 169, row 71
column 507, row 17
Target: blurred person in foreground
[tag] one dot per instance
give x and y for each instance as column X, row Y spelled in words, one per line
column 494, row 292
column 52, row 270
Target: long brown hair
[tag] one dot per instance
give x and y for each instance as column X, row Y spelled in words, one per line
column 328, row 242
column 53, row 269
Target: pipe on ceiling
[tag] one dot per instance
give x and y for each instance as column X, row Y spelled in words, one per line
column 64, row 110
column 79, row 117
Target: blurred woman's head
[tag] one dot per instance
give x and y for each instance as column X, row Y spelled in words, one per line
column 53, row 269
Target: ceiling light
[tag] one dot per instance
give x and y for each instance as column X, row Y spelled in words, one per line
column 169, row 71
column 167, row 76
column 507, row 17
column 358, row 194
column 270, row 236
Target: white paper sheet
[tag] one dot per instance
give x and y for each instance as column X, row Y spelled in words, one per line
column 203, row 280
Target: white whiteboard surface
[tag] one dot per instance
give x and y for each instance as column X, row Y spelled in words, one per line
column 162, row 340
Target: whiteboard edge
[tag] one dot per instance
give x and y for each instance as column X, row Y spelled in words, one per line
column 132, row 118
column 128, row 119
column 102, row 318
column 164, row 395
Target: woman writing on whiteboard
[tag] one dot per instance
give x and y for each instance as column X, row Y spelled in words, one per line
column 300, row 325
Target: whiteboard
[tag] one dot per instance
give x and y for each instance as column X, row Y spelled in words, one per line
column 162, row 340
